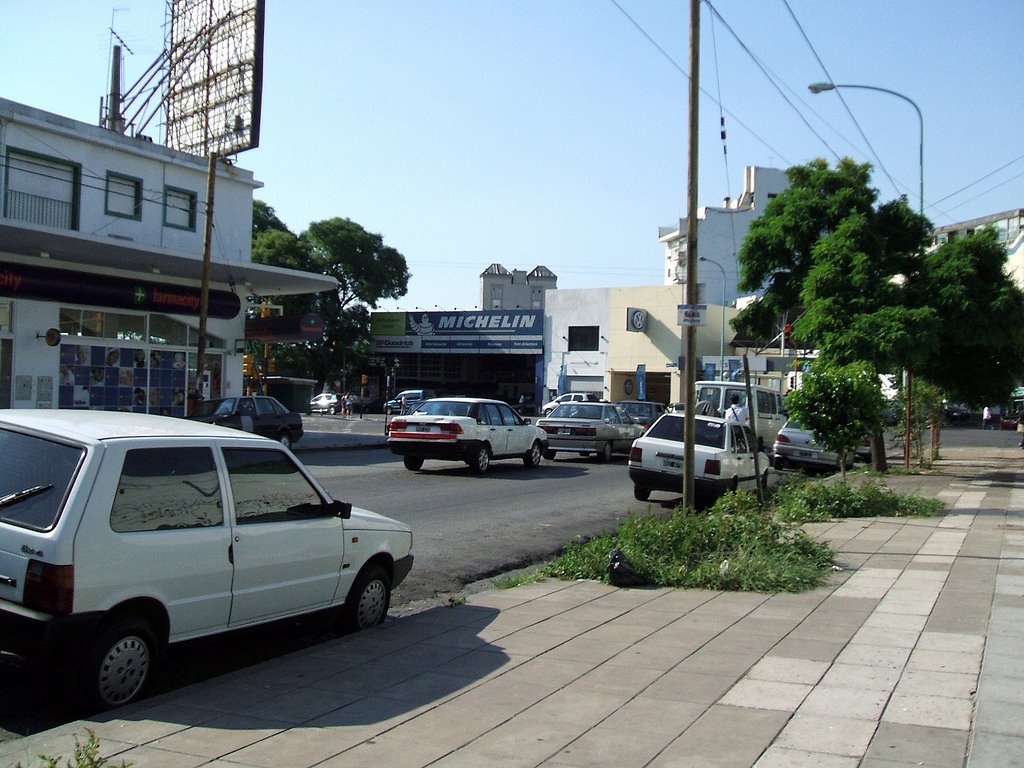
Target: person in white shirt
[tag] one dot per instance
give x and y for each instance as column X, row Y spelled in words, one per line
column 735, row 411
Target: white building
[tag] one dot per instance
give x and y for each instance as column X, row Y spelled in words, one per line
column 101, row 255
column 501, row 288
column 720, row 233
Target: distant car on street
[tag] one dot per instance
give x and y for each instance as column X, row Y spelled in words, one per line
column 259, row 414
column 325, row 402
column 410, row 397
column 796, row 447
column 568, row 397
column 470, row 429
column 645, row 412
column 589, row 429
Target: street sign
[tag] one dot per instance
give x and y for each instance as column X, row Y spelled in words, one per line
column 693, row 314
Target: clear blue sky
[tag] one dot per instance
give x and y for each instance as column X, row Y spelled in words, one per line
column 554, row 132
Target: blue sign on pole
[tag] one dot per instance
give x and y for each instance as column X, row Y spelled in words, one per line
column 641, row 382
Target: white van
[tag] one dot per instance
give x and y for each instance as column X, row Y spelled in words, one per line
column 767, row 415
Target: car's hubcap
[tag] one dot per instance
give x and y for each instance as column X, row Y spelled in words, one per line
column 124, row 670
column 371, row 604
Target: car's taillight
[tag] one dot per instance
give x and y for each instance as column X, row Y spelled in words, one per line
column 399, row 425
column 712, row 467
column 585, row 431
column 451, row 429
column 49, row 588
column 636, row 453
column 781, row 438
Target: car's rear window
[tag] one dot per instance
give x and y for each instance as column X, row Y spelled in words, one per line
column 670, row 427
column 35, row 480
column 444, row 408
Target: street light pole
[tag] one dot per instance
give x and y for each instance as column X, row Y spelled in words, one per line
column 721, row 348
column 820, row 88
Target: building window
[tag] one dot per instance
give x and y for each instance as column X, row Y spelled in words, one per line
column 496, row 294
column 179, row 208
column 584, row 338
column 124, row 196
column 42, row 190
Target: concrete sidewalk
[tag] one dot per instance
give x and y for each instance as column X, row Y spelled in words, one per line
column 909, row 657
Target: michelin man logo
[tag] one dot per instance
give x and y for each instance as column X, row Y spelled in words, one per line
column 423, row 328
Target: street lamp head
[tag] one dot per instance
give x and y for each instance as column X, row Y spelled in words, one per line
column 821, row 87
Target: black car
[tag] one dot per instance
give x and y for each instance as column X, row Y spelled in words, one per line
column 258, row 413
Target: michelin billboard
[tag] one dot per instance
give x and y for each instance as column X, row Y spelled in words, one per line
column 519, row 331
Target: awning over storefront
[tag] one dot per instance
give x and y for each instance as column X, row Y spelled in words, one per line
column 64, row 249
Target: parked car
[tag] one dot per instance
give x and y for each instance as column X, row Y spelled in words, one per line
column 122, row 534
column 259, row 414
column 768, row 412
column 470, row 429
column 723, row 458
column 589, row 429
column 645, row 412
column 325, row 402
column 796, row 447
column 704, row 408
column 568, row 397
column 412, row 398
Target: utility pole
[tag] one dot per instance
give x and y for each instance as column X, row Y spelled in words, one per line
column 690, row 375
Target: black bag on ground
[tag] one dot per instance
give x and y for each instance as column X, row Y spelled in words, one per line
column 621, row 572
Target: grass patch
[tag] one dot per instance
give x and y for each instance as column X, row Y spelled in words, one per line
column 734, row 546
column 811, row 502
column 738, row 544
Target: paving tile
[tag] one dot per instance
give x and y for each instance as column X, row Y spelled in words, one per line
column 1002, row 717
column 951, row 641
column 874, row 655
column 780, row 757
column 918, row 745
column 856, row 703
column 788, row 670
column 680, row 685
column 829, row 734
column 898, row 638
column 964, row 662
column 150, row 757
column 220, row 736
column 809, row 648
column 767, row 694
column 722, row 736
column 930, row 683
column 994, row 750
column 936, row 711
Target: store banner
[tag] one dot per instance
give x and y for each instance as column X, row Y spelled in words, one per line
column 71, row 287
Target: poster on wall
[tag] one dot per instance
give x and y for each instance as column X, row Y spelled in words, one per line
column 117, row 378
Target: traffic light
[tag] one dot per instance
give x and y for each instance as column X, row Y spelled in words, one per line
column 247, row 367
column 787, row 334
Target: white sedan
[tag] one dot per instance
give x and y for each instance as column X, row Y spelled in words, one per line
column 469, row 429
column 723, row 458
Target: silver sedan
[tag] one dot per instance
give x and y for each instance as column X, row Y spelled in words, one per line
column 589, row 429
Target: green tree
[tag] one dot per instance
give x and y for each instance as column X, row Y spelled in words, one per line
column 366, row 269
column 979, row 355
column 839, row 405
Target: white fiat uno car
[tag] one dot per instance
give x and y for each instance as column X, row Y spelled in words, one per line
column 123, row 533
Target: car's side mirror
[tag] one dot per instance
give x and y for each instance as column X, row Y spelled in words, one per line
column 342, row 509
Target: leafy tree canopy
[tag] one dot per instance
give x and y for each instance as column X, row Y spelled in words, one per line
column 366, row 269
column 840, row 405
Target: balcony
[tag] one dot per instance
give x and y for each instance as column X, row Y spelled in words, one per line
column 35, row 209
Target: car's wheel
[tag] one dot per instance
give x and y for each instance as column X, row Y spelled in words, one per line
column 285, row 438
column 549, row 454
column 332, row 410
column 412, row 462
column 605, row 454
column 734, row 484
column 368, row 601
column 533, row 456
column 779, row 463
column 640, row 493
column 481, row 460
column 119, row 662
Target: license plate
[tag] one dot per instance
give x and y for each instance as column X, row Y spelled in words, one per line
column 672, row 463
column 422, row 428
column 804, row 453
column 565, row 431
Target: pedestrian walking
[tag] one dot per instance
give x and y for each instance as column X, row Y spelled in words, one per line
column 735, row 411
column 1020, row 427
column 986, row 418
